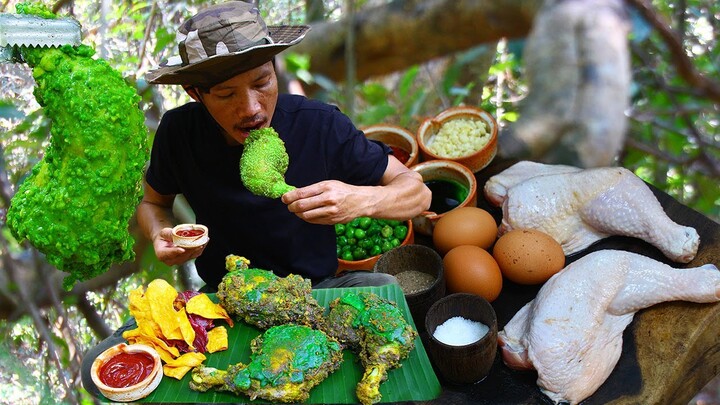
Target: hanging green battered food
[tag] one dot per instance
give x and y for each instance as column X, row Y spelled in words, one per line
column 287, row 361
column 263, row 164
column 76, row 204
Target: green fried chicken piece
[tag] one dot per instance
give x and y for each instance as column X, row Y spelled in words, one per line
column 261, row 298
column 287, row 361
column 263, row 164
column 76, row 204
column 375, row 328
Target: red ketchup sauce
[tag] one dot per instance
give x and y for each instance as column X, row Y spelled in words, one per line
column 189, row 232
column 126, row 369
column 401, row 154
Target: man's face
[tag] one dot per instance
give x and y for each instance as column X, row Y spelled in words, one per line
column 244, row 102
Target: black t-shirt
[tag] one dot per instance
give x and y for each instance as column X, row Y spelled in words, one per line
column 190, row 157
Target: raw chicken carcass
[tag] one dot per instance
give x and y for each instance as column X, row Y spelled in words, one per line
column 571, row 333
column 580, row 207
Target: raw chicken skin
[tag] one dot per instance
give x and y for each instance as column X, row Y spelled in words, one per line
column 496, row 187
column 571, row 333
column 580, row 207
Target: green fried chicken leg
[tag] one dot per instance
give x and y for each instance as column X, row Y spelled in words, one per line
column 76, row 204
column 263, row 164
column 375, row 328
column 261, row 298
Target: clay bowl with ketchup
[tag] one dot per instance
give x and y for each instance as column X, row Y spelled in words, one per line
column 400, row 140
column 127, row 373
column 190, row 235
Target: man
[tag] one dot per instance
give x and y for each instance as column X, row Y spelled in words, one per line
column 226, row 66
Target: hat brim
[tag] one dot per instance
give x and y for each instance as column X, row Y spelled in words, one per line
column 218, row 68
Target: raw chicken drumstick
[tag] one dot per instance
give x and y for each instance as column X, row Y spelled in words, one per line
column 571, row 333
column 579, row 207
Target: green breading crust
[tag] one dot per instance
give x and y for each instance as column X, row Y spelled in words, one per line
column 287, row 361
column 262, row 299
column 76, row 204
column 375, row 328
column 263, row 164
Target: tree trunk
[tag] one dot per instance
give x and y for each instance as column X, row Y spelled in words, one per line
column 403, row 33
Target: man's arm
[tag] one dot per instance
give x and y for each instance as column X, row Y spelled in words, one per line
column 401, row 195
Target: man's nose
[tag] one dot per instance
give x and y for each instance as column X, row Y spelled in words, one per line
column 249, row 105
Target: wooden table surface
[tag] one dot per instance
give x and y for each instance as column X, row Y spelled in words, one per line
column 670, row 351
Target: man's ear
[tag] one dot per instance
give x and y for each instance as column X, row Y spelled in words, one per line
column 192, row 92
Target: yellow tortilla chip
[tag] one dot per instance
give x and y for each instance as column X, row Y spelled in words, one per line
column 161, row 296
column 186, row 330
column 177, row 368
column 203, row 306
column 217, row 339
column 166, row 352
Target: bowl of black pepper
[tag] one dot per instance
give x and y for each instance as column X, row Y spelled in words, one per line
column 419, row 271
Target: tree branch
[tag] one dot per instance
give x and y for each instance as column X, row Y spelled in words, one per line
column 40, row 325
column 404, row 33
column 683, row 63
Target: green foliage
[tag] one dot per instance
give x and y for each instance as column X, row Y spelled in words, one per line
column 674, row 131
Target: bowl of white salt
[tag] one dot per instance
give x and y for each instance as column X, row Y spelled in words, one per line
column 462, row 337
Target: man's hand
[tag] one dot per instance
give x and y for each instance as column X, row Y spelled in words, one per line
column 401, row 194
column 169, row 253
column 328, row 202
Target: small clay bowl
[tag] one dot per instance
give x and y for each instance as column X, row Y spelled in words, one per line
column 475, row 161
column 368, row 263
column 470, row 363
column 132, row 392
column 422, row 259
column 190, row 235
column 449, row 171
column 395, row 137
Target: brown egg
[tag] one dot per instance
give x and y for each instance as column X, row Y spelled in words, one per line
column 464, row 226
column 471, row 269
column 528, row 256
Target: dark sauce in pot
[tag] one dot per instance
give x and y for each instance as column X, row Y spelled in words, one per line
column 446, row 194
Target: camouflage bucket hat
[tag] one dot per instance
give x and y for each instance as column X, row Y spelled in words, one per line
column 222, row 41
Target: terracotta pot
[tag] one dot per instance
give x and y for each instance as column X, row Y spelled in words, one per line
column 475, row 161
column 369, row 263
column 447, row 170
column 393, row 135
column 133, row 392
column 187, row 241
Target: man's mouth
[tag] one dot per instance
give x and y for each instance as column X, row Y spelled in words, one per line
column 244, row 130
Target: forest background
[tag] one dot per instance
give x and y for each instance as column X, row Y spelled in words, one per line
column 451, row 52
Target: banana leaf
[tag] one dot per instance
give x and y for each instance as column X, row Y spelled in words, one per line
column 414, row 381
